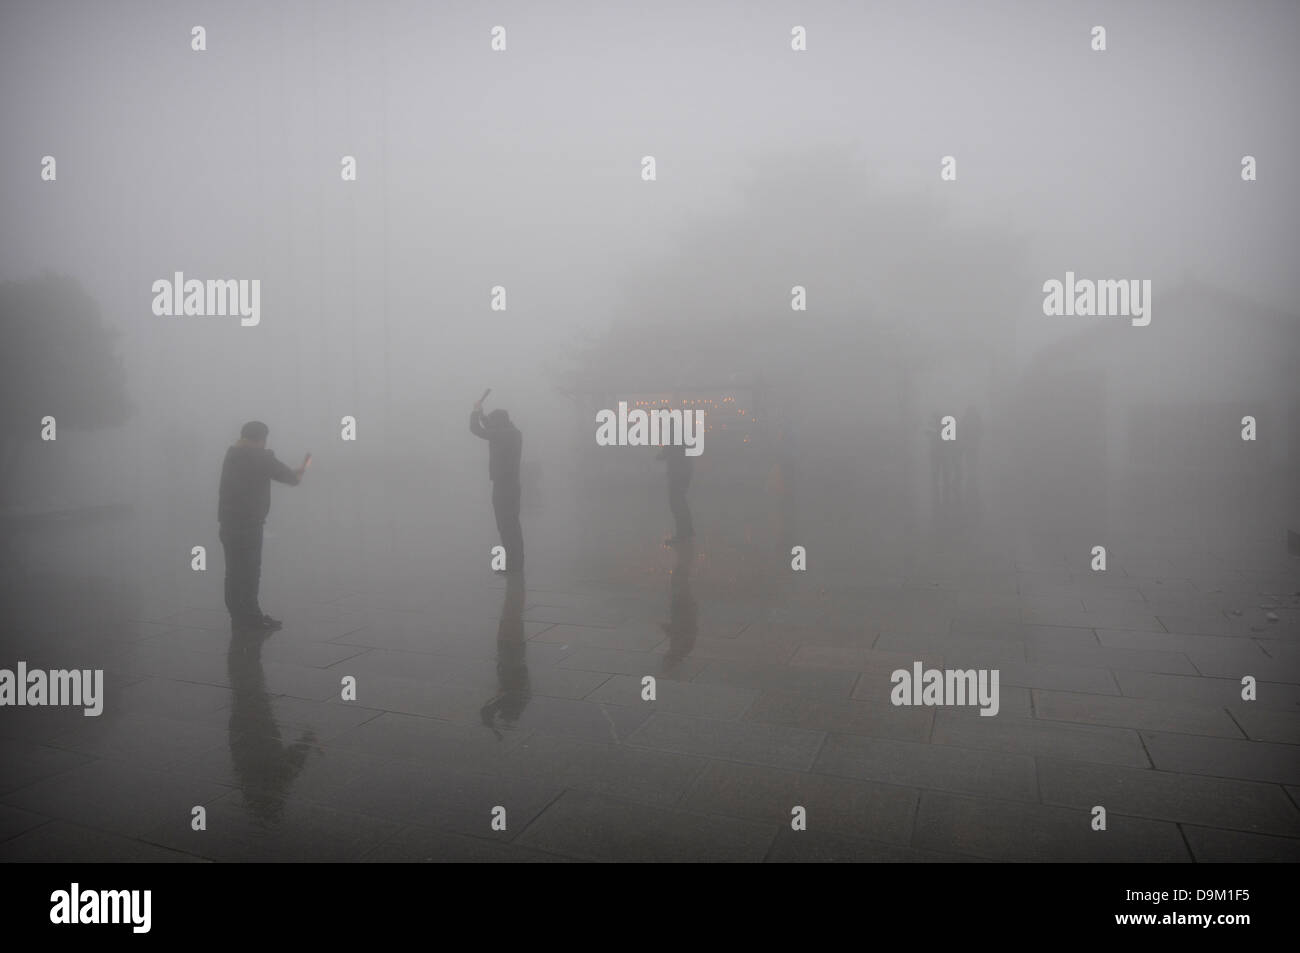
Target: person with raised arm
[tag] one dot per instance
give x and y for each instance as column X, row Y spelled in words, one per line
column 505, row 446
column 244, row 502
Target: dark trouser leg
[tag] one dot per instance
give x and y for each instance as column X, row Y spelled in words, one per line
column 505, row 503
column 232, row 571
column 243, row 548
column 255, row 571
column 684, row 528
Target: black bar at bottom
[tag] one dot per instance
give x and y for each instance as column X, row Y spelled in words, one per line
column 247, row 902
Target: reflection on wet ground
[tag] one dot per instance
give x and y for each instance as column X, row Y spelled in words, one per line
column 676, row 718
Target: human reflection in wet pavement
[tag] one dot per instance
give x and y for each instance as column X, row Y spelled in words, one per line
column 265, row 767
column 513, row 689
column 683, row 621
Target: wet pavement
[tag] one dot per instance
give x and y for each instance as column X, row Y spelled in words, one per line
column 485, row 702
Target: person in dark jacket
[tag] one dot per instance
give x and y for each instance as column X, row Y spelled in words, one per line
column 505, row 446
column 245, row 500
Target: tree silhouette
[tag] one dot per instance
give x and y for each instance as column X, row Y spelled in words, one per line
column 58, row 360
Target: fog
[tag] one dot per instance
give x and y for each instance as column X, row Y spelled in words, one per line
column 523, row 169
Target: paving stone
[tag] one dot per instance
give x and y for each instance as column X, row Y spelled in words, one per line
column 1165, row 795
column 64, row 842
column 623, row 662
column 657, row 778
column 1206, row 691
column 1177, row 642
column 1224, row 757
column 684, row 698
column 1174, row 663
column 929, row 766
column 758, row 677
column 1009, row 831
column 859, row 659
column 730, row 740
column 1134, row 713
column 248, row 825
column 435, row 795
column 874, row 717
column 114, row 797
column 23, row 763
column 874, row 812
column 1037, row 738
column 636, row 638
column 1209, row 845
column 815, row 847
column 1102, row 619
column 1266, row 724
column 1067, row 678
column 592, row 827
column 417, row 844
column 957, row 652
column 145, row 740
column 14, row 822
column 412, row 738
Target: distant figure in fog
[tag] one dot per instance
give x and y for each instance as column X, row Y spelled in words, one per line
column 680, row 468
column 245, row 500
column 505, row 445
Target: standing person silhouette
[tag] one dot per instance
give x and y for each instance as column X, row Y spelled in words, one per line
column 244, row 501
column 505, row 446
column 680, row 468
